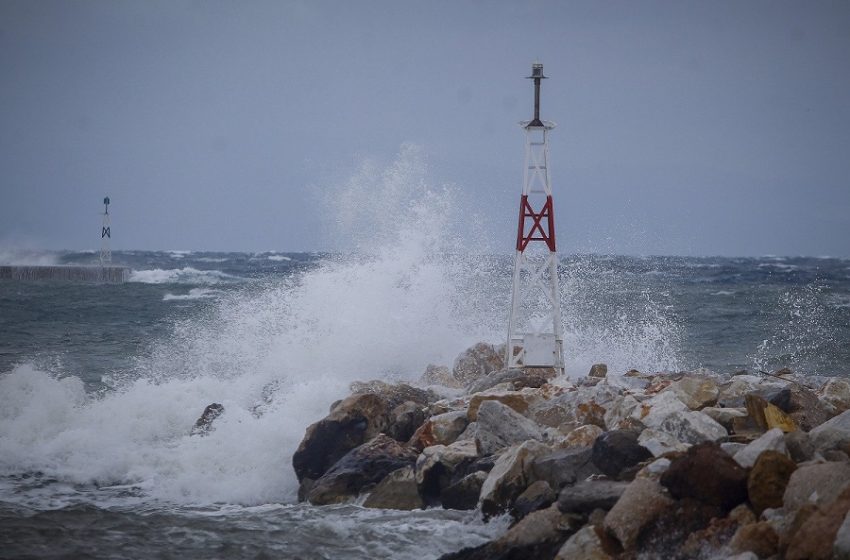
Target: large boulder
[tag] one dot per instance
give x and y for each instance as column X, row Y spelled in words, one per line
column 499, row 426
column 464, row 493
column 404, row 420
column 589, row 495
column 355, row 420
column 638, row 507
column 696, row 392
column 807, row 410
column 439, row 466
column 509, row 477
column 816, row 484
column 398, row 490
column 768, row 479
column 361, row 468
column 815, row 538
column 442, row 429
column 537, row 496
column 692, row 427
column 832, row 434
column 476, row 362
column 565, row 467
column 759, row 538
column 576, row 408
column 517, row 400
column 772, row 440
column 203, row 426
column 706, row 473
column 513, row 378
column 617, row 450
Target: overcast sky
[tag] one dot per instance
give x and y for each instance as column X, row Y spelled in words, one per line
column 689, row 128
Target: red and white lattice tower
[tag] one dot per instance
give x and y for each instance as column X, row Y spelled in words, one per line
column 535, row 336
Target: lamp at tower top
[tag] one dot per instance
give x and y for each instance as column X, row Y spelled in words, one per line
column 536, row 75
column 106, row 205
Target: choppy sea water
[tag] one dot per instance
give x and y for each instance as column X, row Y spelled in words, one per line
column 100, row 384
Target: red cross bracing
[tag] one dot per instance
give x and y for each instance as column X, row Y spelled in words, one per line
column 535, row 226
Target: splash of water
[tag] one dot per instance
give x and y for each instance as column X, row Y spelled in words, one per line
column 276, row 355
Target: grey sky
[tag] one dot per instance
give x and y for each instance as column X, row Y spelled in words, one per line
column 697, row 128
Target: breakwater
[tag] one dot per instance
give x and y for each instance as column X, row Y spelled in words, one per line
column 111, row 274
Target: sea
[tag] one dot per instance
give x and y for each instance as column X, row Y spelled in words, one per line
column 100, row 384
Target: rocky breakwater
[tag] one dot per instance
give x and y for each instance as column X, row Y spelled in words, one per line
column 669, row 465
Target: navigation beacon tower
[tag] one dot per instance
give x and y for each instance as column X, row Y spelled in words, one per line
column 535, row 337
column 105, row 235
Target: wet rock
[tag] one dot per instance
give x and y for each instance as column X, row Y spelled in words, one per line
column 759, row 538
column 659, row 443
column 707, row 474
column 815, row 538
column 394, row 393
column 836, row 392
column 773, row 440
column 564, row 467
column 398, row 490
column 203, row 426
column 538, row 495
column 778, row 396
column 768, row 479
column 361, row 468
column 510, row 476
column 464, row 493
column 598, row 370
column 583, row 436
column 588, row 543
column 476, row 362
column 832, row 434
column 615, row 451
column 732, row 447
column 695, row 392
column 589, row 495
column 436, row 468
column 638, row 507
column 673, row 527
column 800, row 446
column 404, row 420
column 357, row 419
column 816, row 484
column 441, row 429
column 500, row 426
column 539, row 535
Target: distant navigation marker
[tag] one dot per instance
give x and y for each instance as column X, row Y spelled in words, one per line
column 535, row 337
column 105, row 235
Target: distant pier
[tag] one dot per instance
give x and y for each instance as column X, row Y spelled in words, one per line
column 70, row 273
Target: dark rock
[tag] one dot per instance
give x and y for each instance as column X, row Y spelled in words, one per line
column 204, row 424
column 777, row 396
column 706, row 473
column 404, row 420
column 438, row 466
column 565, row 467
column 464, row 493
column 511, row 474
column 643, row 501
column 398, row 490
column 768, row 479
column 588, row 495
column 442, row 429
column 394, row 393
column 360, row 468
column 357, row 419
column 617, row 450
column 538, row 495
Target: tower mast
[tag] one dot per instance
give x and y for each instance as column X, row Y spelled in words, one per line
column 535, row 337
column 105, row 235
